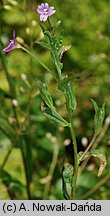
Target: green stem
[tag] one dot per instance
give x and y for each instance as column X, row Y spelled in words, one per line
column 73, row 193
column 59, row 72
column 26, row 174
column 5, row 160
column 50, row 24
column 37, row 59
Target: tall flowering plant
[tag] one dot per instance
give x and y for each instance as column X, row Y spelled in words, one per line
column 54, row 44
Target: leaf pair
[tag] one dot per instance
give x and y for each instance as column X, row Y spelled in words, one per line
column 50, row 110
column 55, row 46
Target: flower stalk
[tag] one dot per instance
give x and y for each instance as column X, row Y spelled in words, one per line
column 37, row 59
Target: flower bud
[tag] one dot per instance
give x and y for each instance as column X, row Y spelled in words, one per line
column 23, row 77
column 13, row 2
column 34, row 23
column 15, row 102
column 19, row 40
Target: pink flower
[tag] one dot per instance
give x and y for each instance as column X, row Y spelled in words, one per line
column 45, row 11
column 11, row 45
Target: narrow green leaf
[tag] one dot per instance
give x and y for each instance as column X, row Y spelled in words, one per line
column 45, row 94
column 70, row 97
column 48, row 38
column 42, row 44
column 50, row 111
column 99, row 116
column 53, row 115
column 95, row 151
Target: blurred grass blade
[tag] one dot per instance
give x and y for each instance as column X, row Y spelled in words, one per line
column 5, row 94
column 14, row 186
column 7, row 129
column 25, row 145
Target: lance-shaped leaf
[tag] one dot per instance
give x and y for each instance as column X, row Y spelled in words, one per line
column 48, row 38
column 99, row 116
column 98, row 154
column 42, row 44
column 53, row 115
column 70, row 97
column 50, row 111
column 45, row 94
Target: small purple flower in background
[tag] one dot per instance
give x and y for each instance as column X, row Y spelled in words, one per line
column 45, row 11
column 11, row 45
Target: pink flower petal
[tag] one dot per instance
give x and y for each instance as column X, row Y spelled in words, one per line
column 39, row 10
column 42, row 4
column 46, row 6
column 43, row 17
column 45, row 11
column 51, row 12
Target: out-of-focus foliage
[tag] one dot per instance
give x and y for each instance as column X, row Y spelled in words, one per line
column 86, row 26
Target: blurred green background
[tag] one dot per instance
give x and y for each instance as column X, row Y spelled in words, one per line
column 86, row 26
